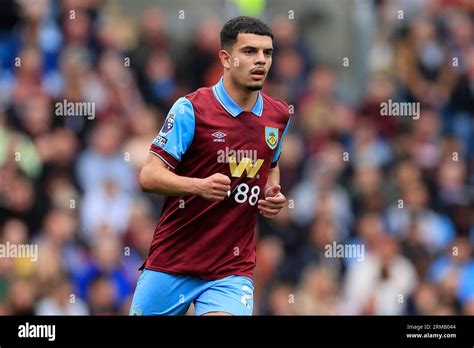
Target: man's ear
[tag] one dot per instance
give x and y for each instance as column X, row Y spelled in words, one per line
column 224, row 56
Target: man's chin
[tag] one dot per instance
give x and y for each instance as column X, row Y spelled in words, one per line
column 254, row 87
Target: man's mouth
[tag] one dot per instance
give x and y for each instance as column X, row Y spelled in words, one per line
column 257, row 73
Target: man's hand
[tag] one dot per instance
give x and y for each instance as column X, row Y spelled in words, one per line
column 273, row 203
column 214, row 187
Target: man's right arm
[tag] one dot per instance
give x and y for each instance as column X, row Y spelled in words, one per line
column 155, row 177
column 171, row 143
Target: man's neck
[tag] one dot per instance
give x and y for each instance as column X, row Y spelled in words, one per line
column 245, row 99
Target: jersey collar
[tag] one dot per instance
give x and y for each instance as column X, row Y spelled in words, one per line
column 230, row 105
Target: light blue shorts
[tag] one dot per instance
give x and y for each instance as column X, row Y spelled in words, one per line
column 159, row 293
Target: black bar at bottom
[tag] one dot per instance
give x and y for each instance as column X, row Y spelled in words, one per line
column 419, row 331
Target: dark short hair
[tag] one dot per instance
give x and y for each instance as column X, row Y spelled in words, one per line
column 244, row 25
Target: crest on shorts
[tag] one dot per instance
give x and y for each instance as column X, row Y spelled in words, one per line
column 271, row 137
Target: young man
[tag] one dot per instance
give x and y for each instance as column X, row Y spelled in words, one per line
column 216, row 160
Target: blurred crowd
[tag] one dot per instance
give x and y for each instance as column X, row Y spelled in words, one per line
column 402, row 188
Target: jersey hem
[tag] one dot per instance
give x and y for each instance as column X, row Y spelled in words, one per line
column 167, row 270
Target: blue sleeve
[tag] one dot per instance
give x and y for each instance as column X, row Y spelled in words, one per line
column 277, row 153
column 176, row 134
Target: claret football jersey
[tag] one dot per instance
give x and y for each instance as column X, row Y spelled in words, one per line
column 204, row 133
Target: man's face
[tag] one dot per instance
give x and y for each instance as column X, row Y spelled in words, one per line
column 249, row 61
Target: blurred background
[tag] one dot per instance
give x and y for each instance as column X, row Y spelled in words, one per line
column 401, row 187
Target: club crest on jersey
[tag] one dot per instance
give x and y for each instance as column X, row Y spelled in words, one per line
column 168, row 125
column 271, row 137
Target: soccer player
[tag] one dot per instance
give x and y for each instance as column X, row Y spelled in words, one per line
column 216, row 160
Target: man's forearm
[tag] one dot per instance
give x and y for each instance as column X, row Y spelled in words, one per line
column 167, row 183
column 156, row 178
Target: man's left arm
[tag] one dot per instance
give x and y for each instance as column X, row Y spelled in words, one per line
column 273, row 200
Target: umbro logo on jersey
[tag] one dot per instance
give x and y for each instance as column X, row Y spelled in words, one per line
column 219, row 137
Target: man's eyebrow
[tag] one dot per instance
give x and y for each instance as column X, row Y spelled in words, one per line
column 248, row 47
column 255, row 48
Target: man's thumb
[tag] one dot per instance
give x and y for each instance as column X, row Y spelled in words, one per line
column 273, row 191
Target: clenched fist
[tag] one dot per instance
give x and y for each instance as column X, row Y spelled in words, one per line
column 214, row 187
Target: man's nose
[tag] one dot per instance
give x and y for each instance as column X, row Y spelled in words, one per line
column 261, row 58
